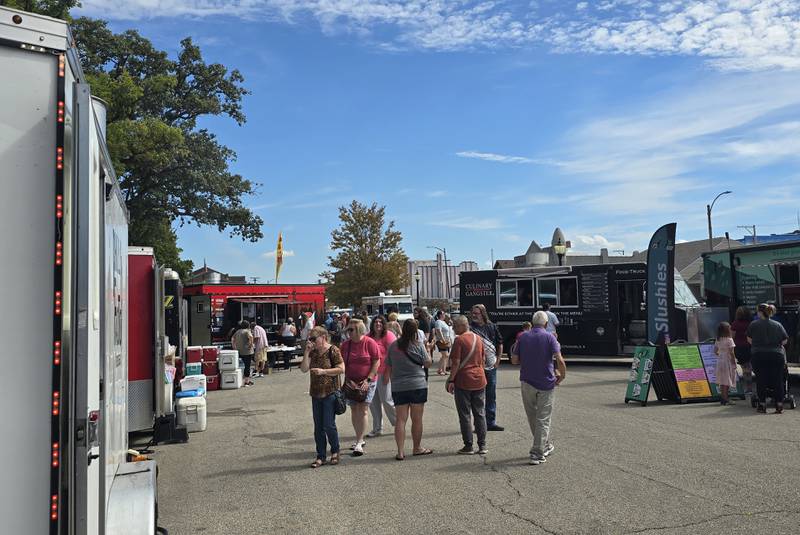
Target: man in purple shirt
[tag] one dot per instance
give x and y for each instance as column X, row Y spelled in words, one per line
column 538, row 377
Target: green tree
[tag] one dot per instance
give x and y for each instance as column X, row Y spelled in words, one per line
column 171, row 171
column 368, row 255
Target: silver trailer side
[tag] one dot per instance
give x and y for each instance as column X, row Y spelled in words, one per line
column 64, row 232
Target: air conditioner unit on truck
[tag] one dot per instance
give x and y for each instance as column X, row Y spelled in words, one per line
column 63, row 282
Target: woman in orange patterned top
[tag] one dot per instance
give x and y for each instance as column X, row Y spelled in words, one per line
column 325, row 363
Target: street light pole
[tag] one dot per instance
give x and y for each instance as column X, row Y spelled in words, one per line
column 710, row 207
column 417, row 277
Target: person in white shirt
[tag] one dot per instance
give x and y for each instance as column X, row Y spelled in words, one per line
column 552, row 320
column 443, row 340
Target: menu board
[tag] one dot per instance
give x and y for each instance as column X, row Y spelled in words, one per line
column 594, row 291
column 641, row 371
column 710, row 363
column 753, row 289
column 690, row 373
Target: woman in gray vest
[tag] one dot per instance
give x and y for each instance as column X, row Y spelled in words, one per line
column 767, row 338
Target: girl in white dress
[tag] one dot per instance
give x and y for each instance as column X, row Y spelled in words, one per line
column 726, row 361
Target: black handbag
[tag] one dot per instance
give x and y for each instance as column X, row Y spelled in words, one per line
column 339, row 404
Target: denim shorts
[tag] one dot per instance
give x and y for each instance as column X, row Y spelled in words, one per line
column 410, row 397
column 370, row 393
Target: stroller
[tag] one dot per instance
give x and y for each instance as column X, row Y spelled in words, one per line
column 788, row 400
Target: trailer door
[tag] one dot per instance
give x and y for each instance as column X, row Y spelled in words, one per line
column 200, row 314
column 27, row 156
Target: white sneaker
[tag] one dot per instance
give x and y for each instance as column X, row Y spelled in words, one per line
column 373, row 434
column 355, row 445
column 550, row 448
column 537, row 460
column 358, row 451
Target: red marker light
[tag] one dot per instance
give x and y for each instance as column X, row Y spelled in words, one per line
column 60, row 111
column 60, row 158
column 61, row 65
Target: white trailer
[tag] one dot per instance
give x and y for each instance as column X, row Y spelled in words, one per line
column 63, row 282
column 387, row 302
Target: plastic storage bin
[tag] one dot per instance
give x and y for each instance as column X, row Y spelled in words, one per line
column 232, row 380
column 194, row 368
column 194, row 382
column 191, row 412
column 210, row 368
column 194, row 354
column 210, row 353
column 228, row 360
column 212, row 382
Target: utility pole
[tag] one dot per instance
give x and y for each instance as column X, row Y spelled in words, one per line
column 751, row 229
column 492, row 258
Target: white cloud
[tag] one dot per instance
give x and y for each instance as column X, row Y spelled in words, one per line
column 470, row 223
column 731, row 34
column 492, row 157
column 436, row 194
column 272, row 254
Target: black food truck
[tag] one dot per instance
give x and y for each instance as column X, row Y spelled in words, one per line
column 601, row 308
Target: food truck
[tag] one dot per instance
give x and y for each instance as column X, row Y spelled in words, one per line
column 387, row 302
column 602, row 308
column 214, row 309
column 747, row 276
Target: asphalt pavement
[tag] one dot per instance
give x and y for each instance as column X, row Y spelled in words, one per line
column 617, row 468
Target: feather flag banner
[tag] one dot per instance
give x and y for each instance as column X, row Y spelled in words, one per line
column 278, row 257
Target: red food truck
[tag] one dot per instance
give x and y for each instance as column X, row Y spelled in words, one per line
column 216, row 308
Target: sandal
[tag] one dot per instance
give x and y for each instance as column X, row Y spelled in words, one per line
column 423, row 451
column 334, row 458
column 317, row 463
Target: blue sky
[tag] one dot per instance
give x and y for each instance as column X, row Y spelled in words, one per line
column 484, row 125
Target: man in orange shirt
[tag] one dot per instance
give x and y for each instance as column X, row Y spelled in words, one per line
column 467, row 383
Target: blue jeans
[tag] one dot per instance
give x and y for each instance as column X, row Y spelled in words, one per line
column 324, row 426
column 491, row 396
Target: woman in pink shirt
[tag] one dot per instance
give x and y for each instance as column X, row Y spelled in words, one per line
column 361, row 361
column 383, row 392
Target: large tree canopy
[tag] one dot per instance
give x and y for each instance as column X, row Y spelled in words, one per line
column 369, row 258
column 170, row 170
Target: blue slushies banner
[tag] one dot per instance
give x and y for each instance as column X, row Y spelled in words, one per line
column 660, row 283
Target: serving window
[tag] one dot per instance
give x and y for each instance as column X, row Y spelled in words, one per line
column 557, row 292
column 515, row 293
column 789, row 284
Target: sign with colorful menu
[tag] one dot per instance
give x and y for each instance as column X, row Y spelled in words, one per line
column 710, row 362
column 641, row 371
column 690, row 374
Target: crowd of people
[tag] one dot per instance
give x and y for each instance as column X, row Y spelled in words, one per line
column 758, row 344
column 380, row 367
column 385, row 372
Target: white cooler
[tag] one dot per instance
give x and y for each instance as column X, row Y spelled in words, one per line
column 228, row 360
column 194, row 382
column 231, row 380
column 191, row 412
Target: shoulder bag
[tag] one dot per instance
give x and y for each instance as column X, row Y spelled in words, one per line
column 339, row 405
column 465, row 359
column 354, row 390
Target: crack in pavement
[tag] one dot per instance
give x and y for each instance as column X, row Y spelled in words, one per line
column 654, row 480
column 711, row 519
column 503, row 507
